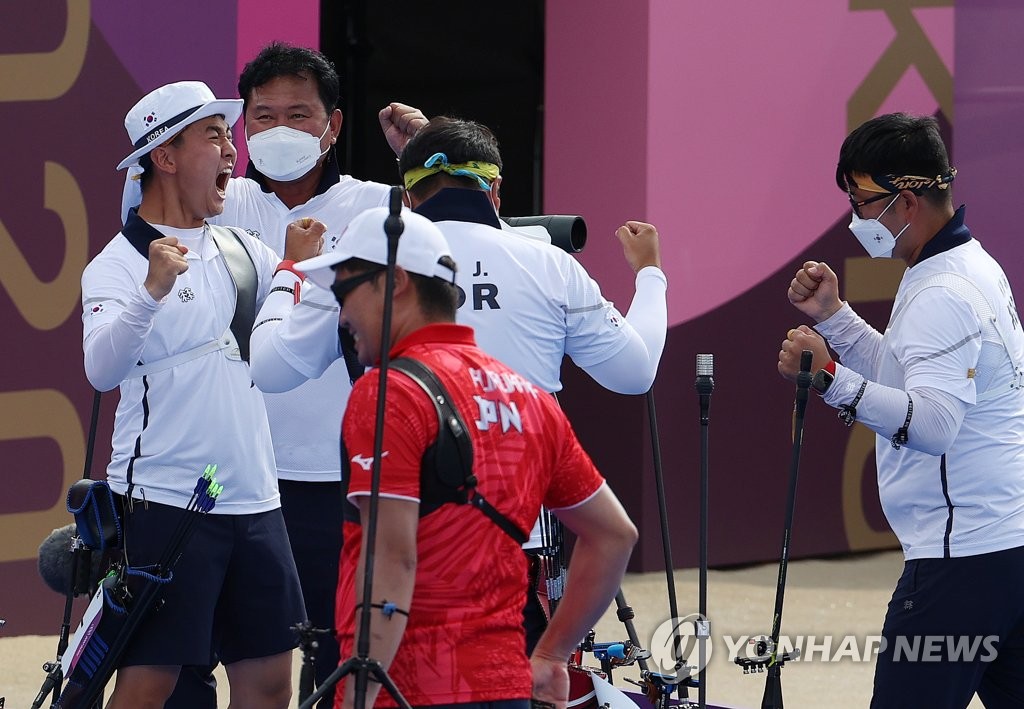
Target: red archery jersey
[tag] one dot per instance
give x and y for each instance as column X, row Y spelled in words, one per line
column 464, row 640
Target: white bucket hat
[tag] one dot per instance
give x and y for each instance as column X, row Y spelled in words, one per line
column 163, row 113
column 159, row 116
column 420, row 247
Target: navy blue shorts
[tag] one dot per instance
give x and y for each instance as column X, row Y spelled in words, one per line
column 235, row 589
column 954, row 627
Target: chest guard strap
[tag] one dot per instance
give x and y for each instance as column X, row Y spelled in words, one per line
column 446, row 472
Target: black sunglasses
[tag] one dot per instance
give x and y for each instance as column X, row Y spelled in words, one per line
column 857, row 205
column 342, row 288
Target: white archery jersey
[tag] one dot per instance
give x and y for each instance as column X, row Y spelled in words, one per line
column 531, row 303
column 172, row 423
column 955, row 328
column 306, row 421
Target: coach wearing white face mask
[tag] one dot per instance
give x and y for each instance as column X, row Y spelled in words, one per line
column 291, row 124
column 943, row 391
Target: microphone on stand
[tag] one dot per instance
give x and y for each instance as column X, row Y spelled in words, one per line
column 705, row 384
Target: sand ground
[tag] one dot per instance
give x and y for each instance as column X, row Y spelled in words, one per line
column 827, row 599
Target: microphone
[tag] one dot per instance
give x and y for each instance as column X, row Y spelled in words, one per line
column 393, row 225
column 705, row 384
column 57, row 563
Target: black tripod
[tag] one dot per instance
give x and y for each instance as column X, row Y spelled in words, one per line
column 362, row 665
column 767, row 654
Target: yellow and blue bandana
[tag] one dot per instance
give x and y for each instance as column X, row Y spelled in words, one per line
column 483, row 172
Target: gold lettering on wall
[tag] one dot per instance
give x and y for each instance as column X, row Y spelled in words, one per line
column 43, row 76
column 39, row 413
column 46, row 306
column 910, row 47
column 36, row 414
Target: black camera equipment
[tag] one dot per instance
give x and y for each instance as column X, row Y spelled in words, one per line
column 123, row 600
column 767, row 655
column 568, row 232
column 67, row 569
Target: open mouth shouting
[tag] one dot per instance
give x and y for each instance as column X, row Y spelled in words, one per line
column 222, row 181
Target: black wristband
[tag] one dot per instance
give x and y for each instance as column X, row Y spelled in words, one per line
column 902, row 434
column 848, row 412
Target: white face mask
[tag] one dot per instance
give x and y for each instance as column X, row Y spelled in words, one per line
column 874, row 236
column 284, row 154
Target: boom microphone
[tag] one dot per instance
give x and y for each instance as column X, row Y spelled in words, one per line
column 56, row 562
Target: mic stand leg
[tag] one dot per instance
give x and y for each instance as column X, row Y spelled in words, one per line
column 363, row 668
column 666, row 544
column 703, row 629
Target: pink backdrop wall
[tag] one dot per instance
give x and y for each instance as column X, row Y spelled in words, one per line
column 718, row 122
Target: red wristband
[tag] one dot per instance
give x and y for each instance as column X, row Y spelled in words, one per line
column 830, row 367
column 290, row 267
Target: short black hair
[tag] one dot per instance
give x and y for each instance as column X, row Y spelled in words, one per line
column 896, row 144
column 461, row 140
column 282, row 59
column 439, row 299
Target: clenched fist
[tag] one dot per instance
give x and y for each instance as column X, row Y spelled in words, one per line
column 400, row 123
column 797, row 340
column 303, row 239
column 640, row 244
column 166, row 263
column 814, row 291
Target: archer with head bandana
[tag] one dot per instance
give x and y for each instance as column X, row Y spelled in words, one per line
column 942, row 390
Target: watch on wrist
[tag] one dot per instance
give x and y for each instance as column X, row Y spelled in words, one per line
column 822, row 380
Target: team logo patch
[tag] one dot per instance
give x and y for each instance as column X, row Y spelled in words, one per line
column 186, row 295
column 97, row 309
column 253, row 233
column 613, row 318
column 149, row 120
